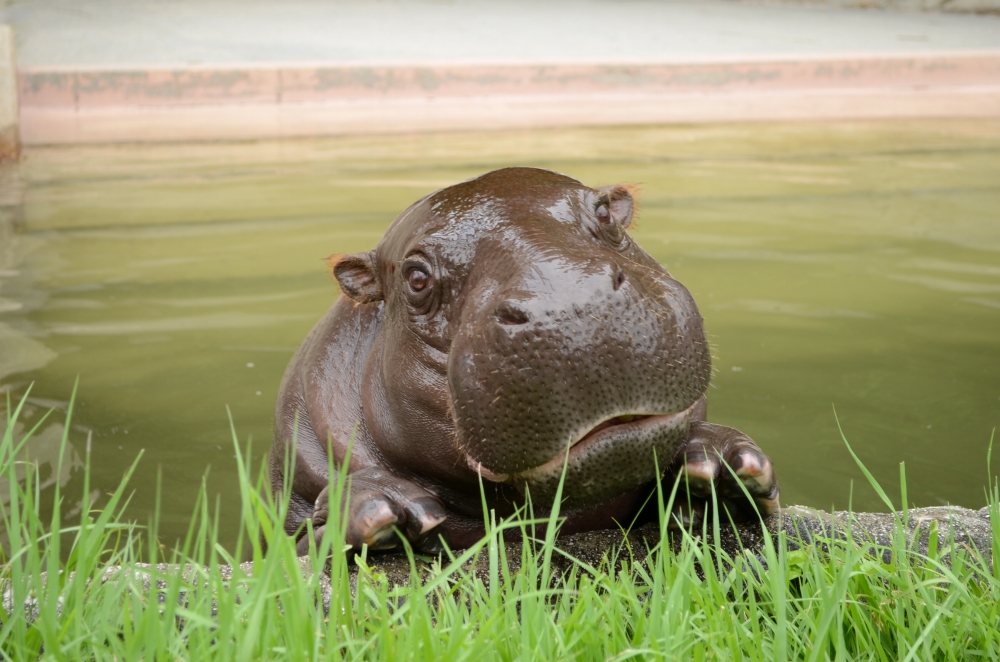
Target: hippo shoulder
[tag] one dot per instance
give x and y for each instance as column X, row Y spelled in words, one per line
column 329, row 368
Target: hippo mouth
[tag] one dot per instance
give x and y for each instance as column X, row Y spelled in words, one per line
column 621, row 428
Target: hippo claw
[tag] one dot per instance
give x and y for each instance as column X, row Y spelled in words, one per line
column 725, row 461
column 373, row 525
column 380, row 507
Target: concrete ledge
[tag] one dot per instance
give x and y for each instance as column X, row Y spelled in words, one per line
column 232, row 103
column 10, row 144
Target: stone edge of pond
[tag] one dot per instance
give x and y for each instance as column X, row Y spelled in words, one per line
column 970, row 529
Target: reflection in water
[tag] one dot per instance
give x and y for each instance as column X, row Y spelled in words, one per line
column 854, row 264
column 989, row 303
column 785, row 308
column 20, row 352
column 232, row 320
column 53, row 467
column 42, row 450
column 948, row 285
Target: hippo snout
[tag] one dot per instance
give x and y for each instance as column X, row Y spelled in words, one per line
column 515, row 312
column 511, row 313
column 558, row 366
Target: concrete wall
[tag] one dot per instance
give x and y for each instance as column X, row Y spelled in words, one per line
column 144, row 70
column 10, row 145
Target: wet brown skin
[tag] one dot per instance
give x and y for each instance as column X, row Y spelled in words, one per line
column 500, row 325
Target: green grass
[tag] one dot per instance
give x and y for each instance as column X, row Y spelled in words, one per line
column 699, row 603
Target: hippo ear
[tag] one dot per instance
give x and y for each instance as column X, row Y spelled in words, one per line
column 621, row 204
column 358, row 276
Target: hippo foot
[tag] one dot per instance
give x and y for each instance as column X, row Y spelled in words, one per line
column 380, row 508
column 727, row 461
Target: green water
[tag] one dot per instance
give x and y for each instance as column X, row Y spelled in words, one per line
column 847, row 265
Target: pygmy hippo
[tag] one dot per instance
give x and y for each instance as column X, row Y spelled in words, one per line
column 503, row 329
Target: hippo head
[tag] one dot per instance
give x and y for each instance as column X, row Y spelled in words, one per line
column 524, row 331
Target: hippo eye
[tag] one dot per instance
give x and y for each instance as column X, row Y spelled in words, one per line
column 603, row 214
column 417, row 279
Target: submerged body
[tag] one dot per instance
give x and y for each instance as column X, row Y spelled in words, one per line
column 505, row 328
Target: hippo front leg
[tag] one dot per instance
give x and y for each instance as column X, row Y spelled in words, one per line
column 700, row 466
column 377, row 504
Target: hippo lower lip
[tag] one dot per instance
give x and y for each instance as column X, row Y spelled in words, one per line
column 485, row 473
column 632, row 424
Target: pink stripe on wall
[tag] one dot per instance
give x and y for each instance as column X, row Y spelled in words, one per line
column 92, row 95
column 282, row 84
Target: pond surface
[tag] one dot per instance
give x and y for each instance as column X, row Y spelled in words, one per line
column 849, row 265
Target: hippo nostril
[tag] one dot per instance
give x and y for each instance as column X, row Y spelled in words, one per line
column 619, row 279
column 511, row 315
